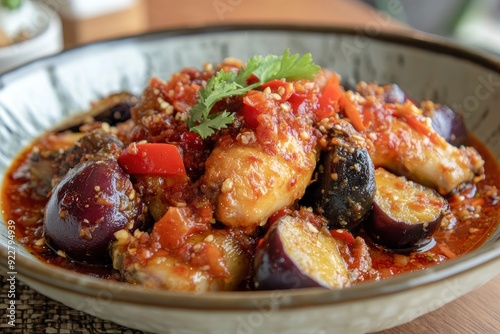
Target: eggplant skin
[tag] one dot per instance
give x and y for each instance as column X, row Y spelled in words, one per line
column 294, row 254
column 275, row 270
column 386, row 93
column 345, row 187
column 113, row 109
column 394, row 94
column 93, row 201
column 405, row 213
column 447, row 123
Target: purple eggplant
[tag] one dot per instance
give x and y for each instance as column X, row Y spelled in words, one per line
column 405, row 213
column 93, row 201
column 448, row 124
column 113, row 109
column 295, row 254
column 394, row 94
column 388, row 93
column 346, row 186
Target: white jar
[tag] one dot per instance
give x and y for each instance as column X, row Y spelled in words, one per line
column 45, row 27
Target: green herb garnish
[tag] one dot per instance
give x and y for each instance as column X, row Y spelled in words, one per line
column 12, row 4
column 226, row 84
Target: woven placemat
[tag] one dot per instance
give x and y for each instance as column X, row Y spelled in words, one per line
column 36, row 313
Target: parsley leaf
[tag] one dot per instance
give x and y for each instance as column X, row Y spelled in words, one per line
column 213, row 122
column 295, row 68
column 222, row 85
column 226, row 84
column 286, row 67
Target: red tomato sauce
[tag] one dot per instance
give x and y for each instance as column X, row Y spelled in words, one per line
column 477, row 218
column 267, row 116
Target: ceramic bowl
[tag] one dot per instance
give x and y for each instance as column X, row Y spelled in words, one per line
column 48, row 38
column 35, row 97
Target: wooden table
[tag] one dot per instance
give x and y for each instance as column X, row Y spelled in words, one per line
column 173, row 13
column 476, row 312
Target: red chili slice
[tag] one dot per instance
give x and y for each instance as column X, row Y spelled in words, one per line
column 152, row 158
column 343, row 235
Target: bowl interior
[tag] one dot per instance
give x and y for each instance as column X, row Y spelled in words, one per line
column 37, row 96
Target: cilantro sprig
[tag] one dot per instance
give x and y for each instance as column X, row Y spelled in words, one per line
column 227, row 84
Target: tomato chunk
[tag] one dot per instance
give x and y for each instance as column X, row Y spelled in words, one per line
column 254, row 104
column 176, row 226
column 329, row 99
column 282, row 88
column 153, row 159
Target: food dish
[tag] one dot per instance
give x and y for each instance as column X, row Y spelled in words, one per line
column 268, row 174
column 299, row 295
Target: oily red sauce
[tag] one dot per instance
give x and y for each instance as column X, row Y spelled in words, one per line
column 477, row 215
column 26, row 209
column 475, row 209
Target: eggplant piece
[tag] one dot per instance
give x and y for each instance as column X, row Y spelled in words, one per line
column 214, row 260
column 447, row 123
column 113, row 109
column 345, row 187
column 89, row 145
column 93, row 201
column 387, row 93
column 42, row 157
column 394, row 94
column 295, row 254
column 405, row 213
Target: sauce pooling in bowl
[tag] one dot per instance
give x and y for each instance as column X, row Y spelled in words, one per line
column 248, row 176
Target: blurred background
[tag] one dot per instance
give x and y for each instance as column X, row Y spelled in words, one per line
column 34, row 28
column 472, row 22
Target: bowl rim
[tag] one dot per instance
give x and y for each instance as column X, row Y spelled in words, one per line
column 84, row 285
column 411, row 38
column 87, row 286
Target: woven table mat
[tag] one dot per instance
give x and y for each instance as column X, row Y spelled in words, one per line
column 36, row 313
